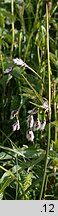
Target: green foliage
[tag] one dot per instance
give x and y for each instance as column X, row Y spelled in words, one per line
column 28, row 170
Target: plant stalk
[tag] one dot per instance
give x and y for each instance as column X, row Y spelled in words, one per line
column 49, row 82
column 33, row 30
column 17, row 177
column 55, row 109
column 12, row 12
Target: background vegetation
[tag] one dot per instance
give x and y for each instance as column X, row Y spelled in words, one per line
column 28, row 30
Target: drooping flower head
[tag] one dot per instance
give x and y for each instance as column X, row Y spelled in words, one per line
column 16, row 125
column 37, row 125
column 30, row 135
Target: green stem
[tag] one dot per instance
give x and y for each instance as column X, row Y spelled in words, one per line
column 47, row 152
column 46, row 162
column 55, row 105
column 20, row 43
column 39, row 60
column 34, row 90
column 33, row 30
column 1, row 55
column 12, row 12
column 17, row 177
column 55, row 111
column 2, row 62
column 48, row 61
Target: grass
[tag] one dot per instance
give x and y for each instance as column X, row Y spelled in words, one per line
column 28, row 169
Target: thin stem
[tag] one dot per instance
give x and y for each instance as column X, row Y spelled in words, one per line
column 27, row 48
column 46, row 162
column 2, row 62
column 19, row 43
column 1, row 56
column 39, row 60
column 34, row 72
column 12, row 12
column 33, row 30
column 48, row 61
column 34, row 90
column 47, row 152
column 55, row 111
column 17, row 177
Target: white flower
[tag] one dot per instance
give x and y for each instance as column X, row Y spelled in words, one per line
column 37, row 125
column 30, row 121
column 16, row 125
column 13, row 114
column 30, row 111
column 19, row 62
column 8, row 70
column 46, row 106
column 30, row 135
column 43, row 125
column 33, row 111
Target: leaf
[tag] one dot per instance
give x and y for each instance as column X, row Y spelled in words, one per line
column 1, row 21
column 13, row 152
column 55, row 123
column 54, row 60
column 7, row 1
column 1, row 196
column 15, row 102
column 56, row 145
column 6, row 184
column 34, row 90
column 28, row 181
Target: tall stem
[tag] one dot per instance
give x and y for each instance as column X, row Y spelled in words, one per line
column 49, row 82
column 33, row 30
column 12, row 12
column 48, row 61
column 17, row 177
column 55, row 105
column 55, row 110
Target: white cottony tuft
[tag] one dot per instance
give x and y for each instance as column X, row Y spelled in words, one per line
column 37, row 125
column 43, row 125
column 30, row 135
column 16, row 125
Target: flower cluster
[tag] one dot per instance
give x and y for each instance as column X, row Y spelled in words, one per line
column 33, row 126
column 37, row 125
column 30, row 134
